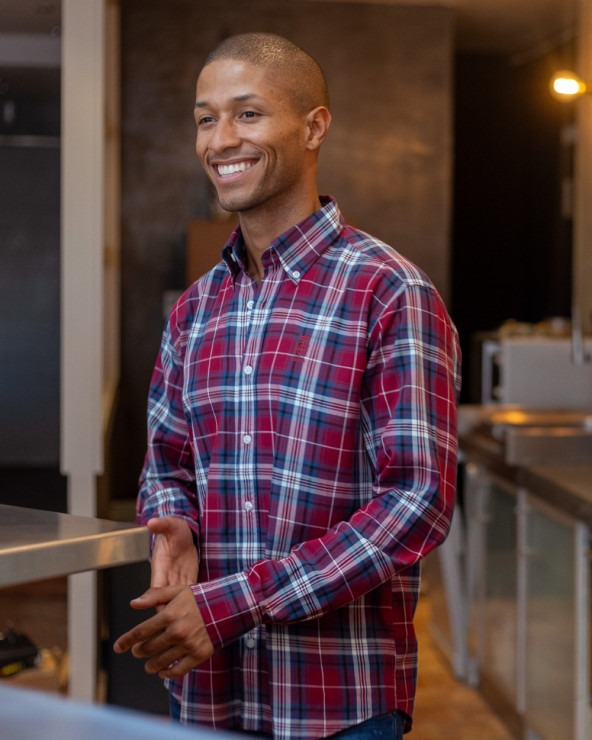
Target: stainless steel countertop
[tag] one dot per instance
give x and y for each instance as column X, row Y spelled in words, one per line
column 564, row 483
column 41, row 544
column 30, row 715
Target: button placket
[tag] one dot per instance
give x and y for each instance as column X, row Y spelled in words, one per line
column 247, row 369
column 253, row 539
column 247, row 415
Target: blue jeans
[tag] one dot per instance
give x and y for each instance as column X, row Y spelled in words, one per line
column 387, row 726
column 174, row 709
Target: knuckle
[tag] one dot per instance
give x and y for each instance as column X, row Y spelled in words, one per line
column 176, row 632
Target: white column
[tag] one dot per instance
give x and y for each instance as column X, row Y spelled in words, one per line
column 82, row 244
column 583, row 712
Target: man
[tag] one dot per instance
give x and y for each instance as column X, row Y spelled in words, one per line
column 302, row 440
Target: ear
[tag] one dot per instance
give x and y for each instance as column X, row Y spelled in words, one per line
column 317, row 126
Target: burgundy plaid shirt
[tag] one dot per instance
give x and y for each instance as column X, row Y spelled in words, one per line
column 305, row 427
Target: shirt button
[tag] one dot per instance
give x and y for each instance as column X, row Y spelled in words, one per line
column 248, row 506
column 296, row 274
column 247, row 369
column 250, row 304
column 247, row 439
column 249, row 642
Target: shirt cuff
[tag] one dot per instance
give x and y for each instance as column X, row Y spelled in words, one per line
column 228, row 608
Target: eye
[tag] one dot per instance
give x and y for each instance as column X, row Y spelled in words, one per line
column 249, row 114
column 203, row 120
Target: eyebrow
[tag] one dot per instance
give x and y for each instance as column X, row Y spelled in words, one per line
column 236, row 98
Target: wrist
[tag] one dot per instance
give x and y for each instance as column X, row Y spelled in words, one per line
column 228, row 608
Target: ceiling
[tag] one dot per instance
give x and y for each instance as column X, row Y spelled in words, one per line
column 516, row 28
column 512, row 27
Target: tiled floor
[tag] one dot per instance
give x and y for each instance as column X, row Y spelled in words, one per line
column 445, row 708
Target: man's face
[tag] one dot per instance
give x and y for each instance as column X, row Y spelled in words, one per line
column 250, row 139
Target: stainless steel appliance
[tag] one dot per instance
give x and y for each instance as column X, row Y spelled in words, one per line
column 534, row 371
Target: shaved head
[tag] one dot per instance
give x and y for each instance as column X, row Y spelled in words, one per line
column 290, row 65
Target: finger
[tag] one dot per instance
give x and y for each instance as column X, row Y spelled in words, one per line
column 151, row 647
column 156, row 645
column 165, row 660
column 180, row 668
column 138, row 634
column 155, row 596
column 154, row 625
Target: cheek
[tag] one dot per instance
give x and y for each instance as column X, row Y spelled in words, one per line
column 200, row 150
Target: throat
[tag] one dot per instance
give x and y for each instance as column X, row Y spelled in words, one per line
column 254, row 268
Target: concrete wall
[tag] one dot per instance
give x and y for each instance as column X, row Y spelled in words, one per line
column 387, row 159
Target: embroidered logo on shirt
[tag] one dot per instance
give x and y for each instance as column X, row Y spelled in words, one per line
column 302, row 345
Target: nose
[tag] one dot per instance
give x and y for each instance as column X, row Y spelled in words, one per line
column 225, row 135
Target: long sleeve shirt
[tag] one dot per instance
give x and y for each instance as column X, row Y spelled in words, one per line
column 305, row 428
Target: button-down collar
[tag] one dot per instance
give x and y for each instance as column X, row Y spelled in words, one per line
column 297, row 248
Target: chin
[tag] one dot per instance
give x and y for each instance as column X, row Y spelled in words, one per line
column 229, row 207
column 237, row 205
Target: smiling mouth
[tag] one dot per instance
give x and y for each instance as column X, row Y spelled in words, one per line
column 224, row 170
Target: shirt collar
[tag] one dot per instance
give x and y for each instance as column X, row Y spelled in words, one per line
column 299, row 247
column 232, row 252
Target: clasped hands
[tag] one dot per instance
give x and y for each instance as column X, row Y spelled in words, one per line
column 175, row 639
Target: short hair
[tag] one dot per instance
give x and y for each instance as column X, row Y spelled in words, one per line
column 302, row 73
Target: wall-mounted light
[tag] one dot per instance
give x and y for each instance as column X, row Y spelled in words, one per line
column 566, row 85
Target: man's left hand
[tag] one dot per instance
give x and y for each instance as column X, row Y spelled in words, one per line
column 175, row 640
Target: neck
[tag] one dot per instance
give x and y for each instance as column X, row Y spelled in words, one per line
column 259, row 230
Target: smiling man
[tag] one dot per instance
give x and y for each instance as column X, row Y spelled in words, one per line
column 301, row 436
column 258, row 138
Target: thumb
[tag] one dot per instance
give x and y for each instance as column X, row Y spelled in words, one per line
column 166, row 525
column 154, row 596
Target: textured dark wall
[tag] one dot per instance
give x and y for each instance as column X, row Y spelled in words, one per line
column 29, row 306
column 387, row 159
column 511, row 237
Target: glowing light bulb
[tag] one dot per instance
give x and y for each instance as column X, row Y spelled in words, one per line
column 566, row 87
column 567, row 84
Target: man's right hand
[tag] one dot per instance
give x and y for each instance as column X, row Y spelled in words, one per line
column 174, row 557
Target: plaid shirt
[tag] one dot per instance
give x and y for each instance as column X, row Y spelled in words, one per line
column 305, row 427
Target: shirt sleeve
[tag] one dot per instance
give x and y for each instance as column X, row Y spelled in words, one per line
column 408, row 417
column 167, row 481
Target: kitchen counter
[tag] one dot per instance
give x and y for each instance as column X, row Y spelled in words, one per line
column 40, row 544
column 523, row 632
column 568, row 487
column 563, row 483
column 29, row 715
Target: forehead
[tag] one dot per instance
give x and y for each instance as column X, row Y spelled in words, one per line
column 225, row 79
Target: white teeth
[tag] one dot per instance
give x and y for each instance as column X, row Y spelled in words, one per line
column 230, row 169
